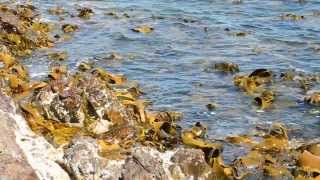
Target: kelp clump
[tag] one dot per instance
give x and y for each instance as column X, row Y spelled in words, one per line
column 21, row 31
column 66, row 105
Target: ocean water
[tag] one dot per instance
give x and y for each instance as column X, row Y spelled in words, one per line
column 189, row 35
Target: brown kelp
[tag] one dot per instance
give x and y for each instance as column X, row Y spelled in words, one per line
column 93, row 102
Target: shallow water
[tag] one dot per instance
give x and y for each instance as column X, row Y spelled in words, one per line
column 169, row 63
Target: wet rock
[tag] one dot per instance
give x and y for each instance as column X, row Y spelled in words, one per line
column 190, row 163
column 212, row 106
column 82, row 161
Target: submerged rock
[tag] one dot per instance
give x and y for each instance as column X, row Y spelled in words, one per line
column 143, row 29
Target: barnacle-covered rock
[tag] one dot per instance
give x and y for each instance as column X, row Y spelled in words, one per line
column 70, row 99
column 82, row 161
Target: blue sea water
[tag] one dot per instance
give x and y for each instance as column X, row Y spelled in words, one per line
column 189, row 35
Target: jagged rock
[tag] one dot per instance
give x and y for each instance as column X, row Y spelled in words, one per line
column 191, row 163
column 83, row 162
column 24, row 155
column 181, row 163
column 71, row 99
column 146, row 163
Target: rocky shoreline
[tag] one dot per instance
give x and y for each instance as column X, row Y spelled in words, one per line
column 92, row 124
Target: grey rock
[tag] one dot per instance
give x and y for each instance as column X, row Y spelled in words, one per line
column 23, row 154
column 145, row 163
column 192, row 163
column 82, row 161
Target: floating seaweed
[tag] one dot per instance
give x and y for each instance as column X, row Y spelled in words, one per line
column 143, row 29
column 85, row 13
column 68, row 28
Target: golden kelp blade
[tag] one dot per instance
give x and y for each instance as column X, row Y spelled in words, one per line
column 7, row 59
column 110, row 151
